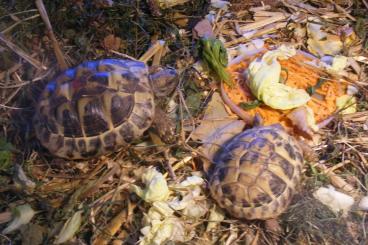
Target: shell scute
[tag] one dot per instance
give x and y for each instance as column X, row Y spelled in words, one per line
column 257, row 171
column 96, row 103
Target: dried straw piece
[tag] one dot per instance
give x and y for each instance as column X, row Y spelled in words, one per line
column 111, row 228
column 342, row 10
column 267, row 30
column 19, row 22
column 154, row 49
column 59, row 54
column 336, row 180
column 269, row 19
column 5, row 217
column 21, row 53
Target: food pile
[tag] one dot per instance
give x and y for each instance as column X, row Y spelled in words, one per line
column 295, row 83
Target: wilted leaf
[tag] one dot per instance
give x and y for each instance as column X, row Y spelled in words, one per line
column 303, row 119
column 363, row 204
column 70, row 227
column 219, row 4
column 215, row 117
column 216, row 216
column 170, row 229
column 32, row 234
column 22, row 180
column 320, row 43
column 192, row 204
column 112, row 42
column 21, row 215
column 339, row 63
column 164, row 4
column 190, row 182
column 156, row 187
column 348, row 102
column 180, row 19
column 264, row 81
column 335, row 200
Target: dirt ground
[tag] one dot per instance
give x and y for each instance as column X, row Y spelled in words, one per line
column 95, row 201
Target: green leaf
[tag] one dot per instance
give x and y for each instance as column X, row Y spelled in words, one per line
column 193, row 102
column 5, row 154
column 214, row 54
column 250, row 105
column 284, row 80
column 312, row 89
column 360, row 27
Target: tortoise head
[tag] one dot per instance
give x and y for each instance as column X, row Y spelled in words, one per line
column 163, row 80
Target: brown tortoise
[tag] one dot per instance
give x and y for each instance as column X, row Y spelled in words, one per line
column 255, row 173
column 100, row 106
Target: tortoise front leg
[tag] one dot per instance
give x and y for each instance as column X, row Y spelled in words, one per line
column 164, row 126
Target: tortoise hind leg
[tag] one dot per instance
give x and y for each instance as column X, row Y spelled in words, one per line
column 164, row 126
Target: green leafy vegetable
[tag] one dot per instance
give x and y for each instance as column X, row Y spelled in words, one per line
column 214, row 55
column 360, row 27
column 282, row 79
column 312, row 89
column 5, row 154
column 250, row 105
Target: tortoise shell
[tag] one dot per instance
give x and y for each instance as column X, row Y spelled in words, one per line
column 94, row 108
column 256, row 172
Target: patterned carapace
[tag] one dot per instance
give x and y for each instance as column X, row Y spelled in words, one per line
column 255, row 173
column 94, row 108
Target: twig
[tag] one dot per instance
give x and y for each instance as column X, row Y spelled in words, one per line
column 14, row 108
column 122, row 55
column 268, row 29
column 111, row 228
column 21, row 53
column 14, row 68
column 5, row 217
column 152, row 51
column 157, row 57
column 335, row 179
column 275, row 17
column 341, row 9
column 18, row 22
column 11, row 96
column 59, row 54
column 365, row 3
column 179, row 164
column 20, row 12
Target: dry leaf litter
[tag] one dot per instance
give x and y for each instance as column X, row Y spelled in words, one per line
column 152, row 193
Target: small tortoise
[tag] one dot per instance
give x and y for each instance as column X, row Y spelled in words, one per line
column 100, row 106
column 256, row 172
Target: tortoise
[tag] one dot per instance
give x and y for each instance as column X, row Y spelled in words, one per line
column 255, row 173
column 100, row 106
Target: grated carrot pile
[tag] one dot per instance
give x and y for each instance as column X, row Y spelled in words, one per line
column 298, row 75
